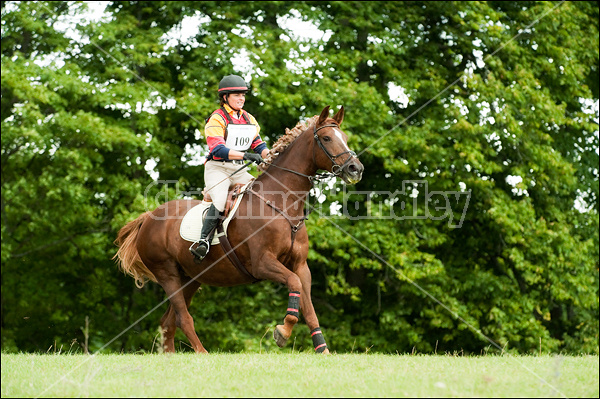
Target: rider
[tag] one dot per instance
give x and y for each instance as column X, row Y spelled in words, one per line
column 230, row 132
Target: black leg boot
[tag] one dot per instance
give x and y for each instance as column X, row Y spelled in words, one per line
column 210, row 223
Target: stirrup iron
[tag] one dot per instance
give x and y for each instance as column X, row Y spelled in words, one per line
column 198, row 251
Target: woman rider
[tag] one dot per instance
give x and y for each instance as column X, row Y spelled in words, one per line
column 230, row 132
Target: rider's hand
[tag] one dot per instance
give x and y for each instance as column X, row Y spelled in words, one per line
column 250, row 156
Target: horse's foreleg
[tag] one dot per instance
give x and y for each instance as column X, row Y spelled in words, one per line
column 273, row 270
column 308, row 310
column 283, row 331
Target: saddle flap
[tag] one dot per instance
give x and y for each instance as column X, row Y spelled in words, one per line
column 231, row 197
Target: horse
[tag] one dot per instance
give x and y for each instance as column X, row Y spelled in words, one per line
column 267, row 233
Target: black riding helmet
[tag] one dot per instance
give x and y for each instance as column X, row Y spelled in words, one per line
column 233, row 84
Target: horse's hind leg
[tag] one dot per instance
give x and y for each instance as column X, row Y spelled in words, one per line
column 172, row 285
column 168, row 326
column 168, row 321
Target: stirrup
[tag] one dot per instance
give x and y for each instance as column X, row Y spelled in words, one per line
column 199, row 252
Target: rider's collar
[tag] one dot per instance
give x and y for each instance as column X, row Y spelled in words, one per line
column 232, row 111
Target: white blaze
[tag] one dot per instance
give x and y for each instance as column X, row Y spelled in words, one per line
column 341, row 137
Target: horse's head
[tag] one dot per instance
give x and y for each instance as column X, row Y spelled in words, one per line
column 333, row 152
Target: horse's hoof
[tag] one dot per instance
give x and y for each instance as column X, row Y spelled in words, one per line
column 279, row 338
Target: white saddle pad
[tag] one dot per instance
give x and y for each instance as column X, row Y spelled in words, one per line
column 191, row 225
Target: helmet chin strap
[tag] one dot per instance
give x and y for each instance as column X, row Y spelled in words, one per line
column 227, row 102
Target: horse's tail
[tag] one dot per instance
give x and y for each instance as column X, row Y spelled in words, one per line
column 127, row 256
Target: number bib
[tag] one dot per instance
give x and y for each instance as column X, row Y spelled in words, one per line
column 239, row 137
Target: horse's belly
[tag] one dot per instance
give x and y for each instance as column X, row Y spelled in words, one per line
column 218, row 273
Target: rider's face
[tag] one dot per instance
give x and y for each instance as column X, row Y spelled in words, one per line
column 237, row 100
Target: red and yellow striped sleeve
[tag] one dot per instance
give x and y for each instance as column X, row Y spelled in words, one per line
column 214, row 131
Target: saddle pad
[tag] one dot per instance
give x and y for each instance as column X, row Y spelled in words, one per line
column 191, row 225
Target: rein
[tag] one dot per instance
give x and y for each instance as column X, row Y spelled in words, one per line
column 312, row 179
column 231, row 174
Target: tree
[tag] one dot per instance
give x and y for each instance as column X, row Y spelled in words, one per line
column 511, row 270
column 495, row 112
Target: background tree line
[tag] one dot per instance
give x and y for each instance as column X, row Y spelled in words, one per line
column 496, row 103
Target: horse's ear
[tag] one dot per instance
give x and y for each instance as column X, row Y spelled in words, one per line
column 339, row 116
column 324, row 115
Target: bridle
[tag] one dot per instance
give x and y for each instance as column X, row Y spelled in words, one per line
column 335, row 169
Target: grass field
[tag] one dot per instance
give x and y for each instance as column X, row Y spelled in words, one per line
column 297, row 375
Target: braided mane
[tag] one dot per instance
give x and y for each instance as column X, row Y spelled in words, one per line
column 285, row 140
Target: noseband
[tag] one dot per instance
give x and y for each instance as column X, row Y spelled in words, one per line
column 335, row 169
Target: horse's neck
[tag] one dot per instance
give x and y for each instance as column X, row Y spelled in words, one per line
column 289, row 189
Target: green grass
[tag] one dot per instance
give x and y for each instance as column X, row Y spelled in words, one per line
column 297, row 375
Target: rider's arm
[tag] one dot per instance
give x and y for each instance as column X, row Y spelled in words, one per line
column 214, row 131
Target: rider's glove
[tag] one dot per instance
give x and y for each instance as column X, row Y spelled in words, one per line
column 250, row 156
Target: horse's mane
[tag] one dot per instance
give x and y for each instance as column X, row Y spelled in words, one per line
column 285, row 140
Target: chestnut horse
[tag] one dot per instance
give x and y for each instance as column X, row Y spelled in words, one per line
column 267, row 233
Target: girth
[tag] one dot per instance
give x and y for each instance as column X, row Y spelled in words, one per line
column 223, row 240
column 226, row 245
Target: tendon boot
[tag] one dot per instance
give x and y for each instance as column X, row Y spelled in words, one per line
column 210, row 223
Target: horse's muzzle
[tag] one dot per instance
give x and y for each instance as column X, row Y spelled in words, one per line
column 352, row 172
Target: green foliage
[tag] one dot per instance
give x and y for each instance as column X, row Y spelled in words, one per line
column 491, row 96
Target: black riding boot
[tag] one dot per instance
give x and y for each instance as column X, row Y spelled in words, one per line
column 210, row 222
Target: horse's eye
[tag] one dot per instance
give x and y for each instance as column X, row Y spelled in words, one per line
column 326, row 138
